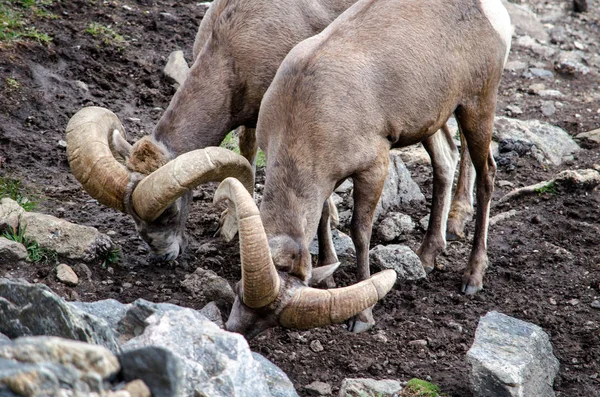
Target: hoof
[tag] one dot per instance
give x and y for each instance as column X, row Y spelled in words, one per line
column 471, row 284
column 361, row 322
column 228, row 226
column 428, row 269
column 451, row 236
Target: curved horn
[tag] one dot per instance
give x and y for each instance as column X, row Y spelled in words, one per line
column 311, row 307
column 165, row 185
column 89, row 133
column 260, row 279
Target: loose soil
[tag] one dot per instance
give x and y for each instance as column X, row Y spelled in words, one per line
column 544, row 261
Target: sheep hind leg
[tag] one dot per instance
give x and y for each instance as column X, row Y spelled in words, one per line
column 461, row 210
column 327, row 255
column 444, row 156
column 477, row 125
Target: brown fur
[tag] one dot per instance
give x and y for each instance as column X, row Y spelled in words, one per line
column 146, row 156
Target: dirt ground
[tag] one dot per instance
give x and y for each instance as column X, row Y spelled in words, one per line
column 544, row 262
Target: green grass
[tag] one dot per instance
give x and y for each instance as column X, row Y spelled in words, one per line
column 35, row 253
column 12, row 84
column 17, row 18
column 111, row 257
column 549, row 188
column 106, row 34
column 231, row 142
column 420, row 388
column 12, row 189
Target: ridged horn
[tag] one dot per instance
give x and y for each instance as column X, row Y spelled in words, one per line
column 311, row 307
column 260, row 279
column 161, row 188
column 89, row 133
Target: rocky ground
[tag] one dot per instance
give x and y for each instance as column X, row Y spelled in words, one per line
column 544, row 260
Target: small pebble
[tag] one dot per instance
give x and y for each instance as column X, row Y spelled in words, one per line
column 536, row 220
column 316, row 346
column 595, row 304
column 573, row 302
column 418, row 342
column 552, row 301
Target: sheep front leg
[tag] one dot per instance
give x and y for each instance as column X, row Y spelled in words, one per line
column 368, row 186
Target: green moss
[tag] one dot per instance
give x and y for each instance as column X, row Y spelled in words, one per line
column 420, row 388
column 106, row 34
column 17, row 18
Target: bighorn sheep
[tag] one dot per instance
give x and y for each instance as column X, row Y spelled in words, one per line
column 237, row 51
column 384, row 74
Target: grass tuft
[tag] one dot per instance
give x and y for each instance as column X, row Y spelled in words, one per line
column 420, row 388
column 16, row 21
column 12, row 189
column 111, row 257
column 35, row 253
column 106, row 34
column 549, row 188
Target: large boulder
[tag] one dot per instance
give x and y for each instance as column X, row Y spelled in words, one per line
column 65, row 238
column 21, row 304
column 511, row 357
column 400, row 258
column 364, row 387
column 215, row 362
column 51, row 366
column 399, row 188
column 553, row 143
column 207, row 286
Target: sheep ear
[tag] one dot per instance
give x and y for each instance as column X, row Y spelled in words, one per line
column 120, row 147
column 321, row 273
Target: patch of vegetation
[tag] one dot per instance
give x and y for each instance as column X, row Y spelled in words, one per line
column 420, row 388
column 106, row 34
column 16, row 20
column 12, row 84
column 549, row 188
column 231, row 142
column 35, row 253
column 12, row 189
column 111, row 257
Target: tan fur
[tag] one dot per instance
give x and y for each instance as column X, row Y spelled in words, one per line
column 146, row 156
column 385, row 74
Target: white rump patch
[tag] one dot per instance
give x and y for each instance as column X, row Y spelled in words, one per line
column 496, row 13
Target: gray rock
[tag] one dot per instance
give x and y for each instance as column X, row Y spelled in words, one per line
column 571, row 63
column 514, row 109
column 177, row 68
column 595, row 304
column 159, row 368
column 207, row 286
column 362, row 387
column 399, row 188
column 21, row 304
column 345, row 187
column 543, row 73
column 400, row 258
column 212, row 312
column 510, row 357
column 548, row 108
column 343, row 245
column 395, row 225
column 10, row 213
column 278, row 382
column 553, row 142
column 110, row 310
column 11, row 251
column 515, row 65
column 424, row 222
column 318, row 388
column 45, row 366
column 215, row 363
column 593, row 135
column 502, row 217
column 529, row 42
column 66, row 275
column 4, row 338
column 526, row 21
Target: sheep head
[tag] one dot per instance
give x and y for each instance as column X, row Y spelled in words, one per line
column 144, row 180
